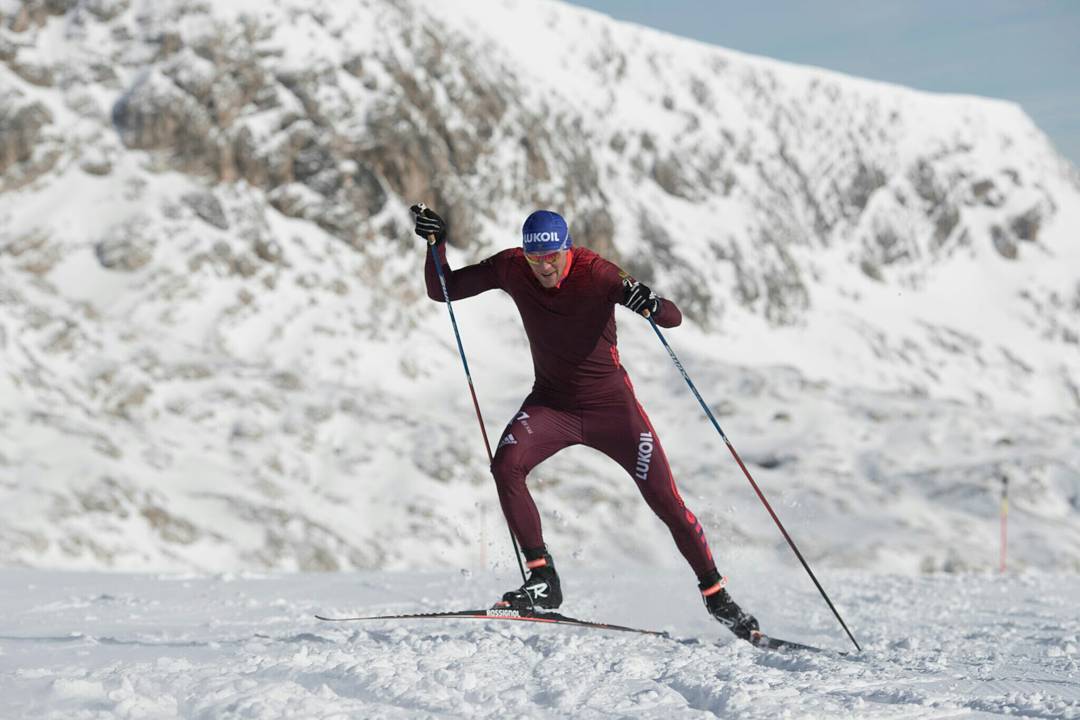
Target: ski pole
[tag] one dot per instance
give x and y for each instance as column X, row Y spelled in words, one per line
column 468, row 377
column 746, row 472
column 1004, row 519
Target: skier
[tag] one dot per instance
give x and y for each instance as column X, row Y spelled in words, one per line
column 581, row 394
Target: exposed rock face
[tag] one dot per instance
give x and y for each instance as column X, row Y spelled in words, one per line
column 1004, row 243
column 864, row 184
column 104, row 10
column 34, row 13
column 20, row 132
column 207, row 207
column 595, row 229
column 155, row 114
column 126, row 247
column 198, row 106
column 1026, row 226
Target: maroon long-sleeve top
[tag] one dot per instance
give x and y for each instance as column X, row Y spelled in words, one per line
column 571, row 327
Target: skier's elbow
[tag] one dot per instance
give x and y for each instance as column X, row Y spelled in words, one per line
column 669, row 316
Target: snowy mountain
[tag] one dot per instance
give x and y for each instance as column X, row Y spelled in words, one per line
column 218, row 353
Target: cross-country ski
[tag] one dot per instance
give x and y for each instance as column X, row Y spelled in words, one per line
column 757, row 639
column 507, row 614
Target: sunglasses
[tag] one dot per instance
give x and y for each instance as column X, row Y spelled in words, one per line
column 550, row 258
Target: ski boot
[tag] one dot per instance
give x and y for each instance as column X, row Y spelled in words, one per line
column 724, row 609
column 542, row 591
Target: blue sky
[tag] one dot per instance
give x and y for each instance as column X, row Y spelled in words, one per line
column 1027, row 51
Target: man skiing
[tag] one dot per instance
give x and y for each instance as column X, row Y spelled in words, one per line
column 581, row 394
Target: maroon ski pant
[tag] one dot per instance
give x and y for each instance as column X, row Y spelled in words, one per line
column 616, row 426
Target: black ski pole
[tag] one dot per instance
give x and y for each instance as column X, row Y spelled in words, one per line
column 468, row 376
column 746, row 472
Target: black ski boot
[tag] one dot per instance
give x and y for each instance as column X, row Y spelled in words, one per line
column 542, row 591
column 724, row 609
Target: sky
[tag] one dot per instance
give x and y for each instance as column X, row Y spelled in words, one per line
column 1027, row 51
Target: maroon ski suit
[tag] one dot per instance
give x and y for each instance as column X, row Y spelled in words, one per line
column 581, row 394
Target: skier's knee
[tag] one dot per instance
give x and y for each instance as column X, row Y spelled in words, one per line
column 506, row 470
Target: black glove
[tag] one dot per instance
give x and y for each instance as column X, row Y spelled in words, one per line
column 638, row 297
column 428, row 223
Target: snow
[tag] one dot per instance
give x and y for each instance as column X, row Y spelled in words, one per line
column 93, row 645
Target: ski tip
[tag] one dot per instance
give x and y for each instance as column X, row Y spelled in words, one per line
column 766, row 642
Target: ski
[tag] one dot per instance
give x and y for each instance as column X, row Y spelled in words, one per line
column 759, row 640
column 765, row 642
column 500, row 614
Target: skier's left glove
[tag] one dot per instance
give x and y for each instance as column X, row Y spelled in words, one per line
column 638, row 297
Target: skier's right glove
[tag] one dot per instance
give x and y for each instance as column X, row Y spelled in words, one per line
column 428, row 223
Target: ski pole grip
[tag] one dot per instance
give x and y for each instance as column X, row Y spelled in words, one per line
column 418, row 209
